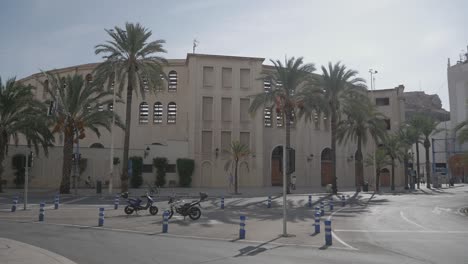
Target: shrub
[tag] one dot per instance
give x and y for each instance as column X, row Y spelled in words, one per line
column 185, row 169
column 160, row 164
column 137, row 167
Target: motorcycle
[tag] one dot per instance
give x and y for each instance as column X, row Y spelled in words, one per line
column 134, row 205
column 191, row 209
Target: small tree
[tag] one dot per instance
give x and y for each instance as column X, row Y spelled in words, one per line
column 185, row 169
column 237, row 151
column 137, row 168
column 160, row 164
column 381, row 160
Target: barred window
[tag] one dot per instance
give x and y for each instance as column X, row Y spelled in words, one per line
column 267, row 116
column 100, row 108
column 144, row 111
column 279, row 119
column 157, row 113
column 145, row 84
column 89, row 78
column 110, row 107
column 172, row 87
column 267, row 85
column 171, row 113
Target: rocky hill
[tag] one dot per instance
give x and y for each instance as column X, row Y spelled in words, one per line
column 427, row 104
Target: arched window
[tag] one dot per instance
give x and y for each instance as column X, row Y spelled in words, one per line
column 172, row 87
column 157, row 113
column 279, row 118
column 89, row 78
column 110, row 107
column 267, row 116
column 45, row 89
column 267, row 85
column 96, row 145
column 144, row 112
column 171, row 113
column 145, row 84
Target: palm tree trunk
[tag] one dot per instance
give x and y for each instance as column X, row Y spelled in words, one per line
column 427, row 145
column 417, row 164
column 358, row 164
column 67, row 161
column 235, row 177
column 128, row 119
column 377, row 181
column 288, row 146
column 393, row 174
column 333, row 149
column 3, row 150
column 405, row 165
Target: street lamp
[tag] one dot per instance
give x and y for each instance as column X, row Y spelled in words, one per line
column 372, row 77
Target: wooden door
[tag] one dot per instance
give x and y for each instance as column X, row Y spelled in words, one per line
column 276, row 173
column 385, row 179
column 326, row 169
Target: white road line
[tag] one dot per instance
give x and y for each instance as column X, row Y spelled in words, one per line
column 402, row 231
column 337, row 237
column 75, row 200
column 411, row 222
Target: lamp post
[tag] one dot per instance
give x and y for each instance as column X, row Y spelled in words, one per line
column 111, row 172
column 372, row 77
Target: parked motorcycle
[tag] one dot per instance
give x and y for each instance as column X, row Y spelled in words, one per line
column 135, row 204
column 191, row 209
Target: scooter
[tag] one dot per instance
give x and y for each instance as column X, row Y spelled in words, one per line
column 191, row 209
column 134, row 205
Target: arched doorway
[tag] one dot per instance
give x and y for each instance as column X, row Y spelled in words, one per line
column 277, row 166
column 384, row 177
column 326, row 166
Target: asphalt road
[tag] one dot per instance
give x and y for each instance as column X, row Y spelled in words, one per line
column 409, row 228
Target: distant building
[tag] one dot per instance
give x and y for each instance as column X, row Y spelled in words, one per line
column 201, row 110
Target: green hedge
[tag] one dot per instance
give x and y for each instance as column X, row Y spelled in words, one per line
column 185, row 168
column 137, row 168
column 160, row 164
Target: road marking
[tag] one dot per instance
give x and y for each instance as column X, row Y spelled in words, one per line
column 75, row 200
column 438, row 210
column 409, row 221
column 402, row 231
column 334, row 234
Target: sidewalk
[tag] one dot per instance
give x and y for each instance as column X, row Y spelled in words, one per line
column 15, row 252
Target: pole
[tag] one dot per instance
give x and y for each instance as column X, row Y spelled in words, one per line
column 26, row 182
column 77, row 161
column 111, row 172
column 372, row 72
column 285, row 233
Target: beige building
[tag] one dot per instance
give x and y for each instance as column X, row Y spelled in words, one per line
column 203, row 108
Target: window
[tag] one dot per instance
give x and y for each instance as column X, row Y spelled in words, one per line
column 225, row 141
column 267, row 85
column 159, row 88
column 157, row 113
column 207, row 108
column 279, row 118
column 144, row 112
column 89, row 78
column 145, row 84
column 227, row 77
column 208, row 76
column 111, row 82
column 171, row 168
column 226, row 105
column 147, row 168
column 100, row 108
column 382, row 101
column 171, row 113
column 267, row 116
column 244, row 109
column 207, row 141
column 96, row 145
column 46, row 89
column 245, row 78
column 110, row 107
column 245, row 139
column 387, row 124
column 172, row 87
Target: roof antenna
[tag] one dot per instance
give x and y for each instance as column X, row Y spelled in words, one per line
column 195, row 44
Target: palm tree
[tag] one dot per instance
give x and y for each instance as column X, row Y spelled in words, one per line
column 338, row 84
column 362, row 120
column 287, row 81
column 381, row 160
column 393, row 148
column 131, row 58
column 462, row 130
column 21, row 116
column 79, row 106
column 237, row 151
column 416, row 123
column 428, row 127
column 408, row 136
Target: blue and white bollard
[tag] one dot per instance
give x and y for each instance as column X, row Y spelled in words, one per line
column 322, row 209
column 328, row 233
column 116, row 202
column 343, row 201
column 41, row 211
column 317, row 210
column 101, row 217
column 317, row 223
column 330, row 204
column 165, row 227
column 15, row 204
column 56, row 202
column 242, row 227
column 310, row 201
column 222, row 202
column 269, row 202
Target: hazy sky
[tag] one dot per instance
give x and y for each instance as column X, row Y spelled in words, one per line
column 408, row 42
